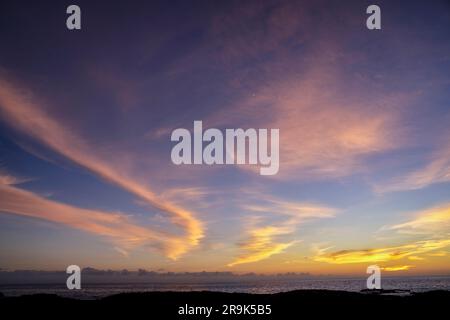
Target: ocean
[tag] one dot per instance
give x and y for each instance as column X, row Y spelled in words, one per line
column 99, row 290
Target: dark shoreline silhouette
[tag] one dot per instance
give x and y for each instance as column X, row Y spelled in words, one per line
column 286, row 305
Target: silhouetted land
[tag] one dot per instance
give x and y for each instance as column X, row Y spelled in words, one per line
column 301, row 304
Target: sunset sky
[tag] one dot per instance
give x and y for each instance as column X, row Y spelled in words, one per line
column 86, row 116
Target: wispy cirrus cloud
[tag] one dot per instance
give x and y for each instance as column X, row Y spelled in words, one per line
column 434, row 222
column 264, row 241
column 397, row 268
column 326, row 130
column 115, row 227
column 20, row 110
column 261, row 244
column 325, row 134
column 331, row 121
column 298, row 211
column 437, row 170
column 8, row 179
column 385, row 254
column 415, row 258
column 438, row 254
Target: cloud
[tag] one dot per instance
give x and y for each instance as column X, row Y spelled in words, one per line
column 261, row 244
column 437, row 170
column 8, row 179
column 263, row 241
column 246, row 31
column 122, row 251
column 397, row 268
column 331, row 120
column 20, row 111
column 298, row 211
column 326, row 130
column 186, row 193
column 380, row 254
column 297, row 76
column 438, row 254
column 324, row 135
column 115, row 227
column 416, row 258
column 434, row 221
column 122, row 89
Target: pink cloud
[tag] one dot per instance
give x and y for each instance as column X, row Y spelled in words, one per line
column 20, row 111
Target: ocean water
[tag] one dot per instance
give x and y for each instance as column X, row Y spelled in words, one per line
column 94, row 291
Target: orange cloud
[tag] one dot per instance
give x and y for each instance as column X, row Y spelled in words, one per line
column 380, row 254
column 323, row 137
column 397, row 268
column 331, row 120
column 116, row 227
column 433, row 221
column 297, row 210
column 21, row 112
column 8, row 179
column 438, row 254
column 262, row 242
column 324, row 131
column 415, row 258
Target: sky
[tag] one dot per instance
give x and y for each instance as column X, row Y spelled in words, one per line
column 86, row 118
